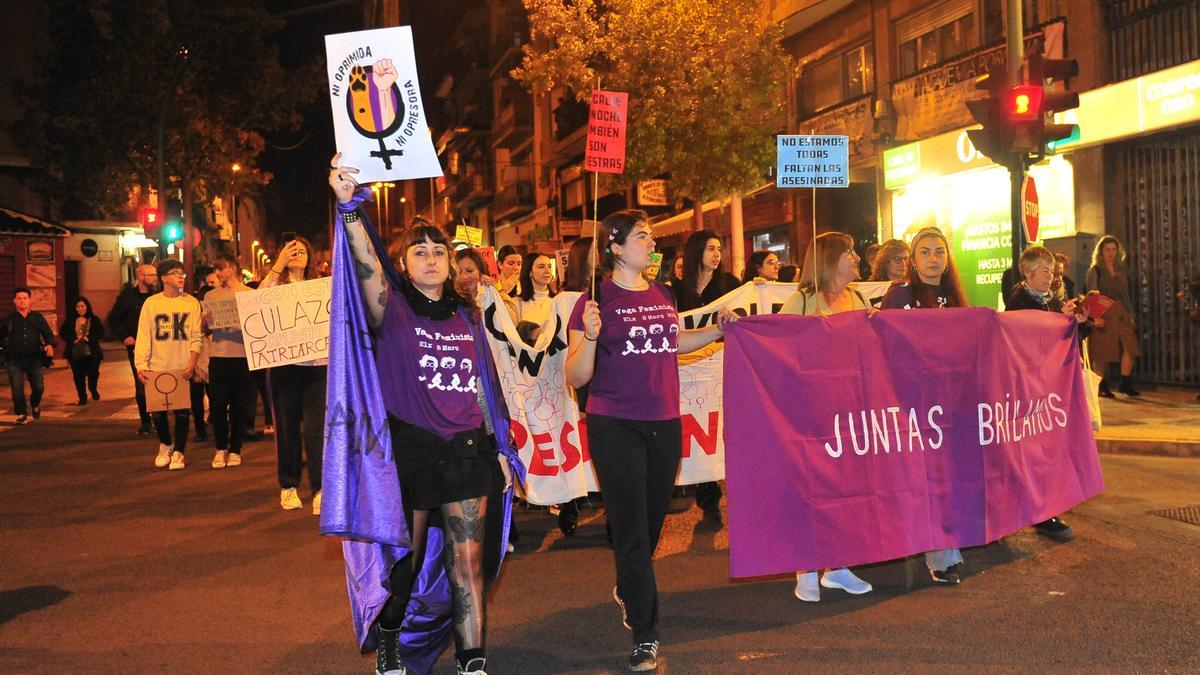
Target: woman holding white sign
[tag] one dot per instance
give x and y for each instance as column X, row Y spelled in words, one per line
column 829, row 266
column 624, row 345
column 297, row 392
column 436, row 381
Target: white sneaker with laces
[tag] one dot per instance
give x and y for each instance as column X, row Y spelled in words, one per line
column 845, row 580
column 177, row 462
column 220, row 459
column 233, row 459
column 289, row 500
column 808, row 587
column 163, row 458
column 316, row 503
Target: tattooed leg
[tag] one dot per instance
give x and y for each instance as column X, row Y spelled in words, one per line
column 464, row 565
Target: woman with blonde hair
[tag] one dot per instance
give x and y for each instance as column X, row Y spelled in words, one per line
column 830, row 264
column 1114, row 338
column 891, row 262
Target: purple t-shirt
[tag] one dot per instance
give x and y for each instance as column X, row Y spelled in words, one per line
column 637, row 368
column 428, row 369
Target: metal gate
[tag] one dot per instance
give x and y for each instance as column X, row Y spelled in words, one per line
column 1160, row 208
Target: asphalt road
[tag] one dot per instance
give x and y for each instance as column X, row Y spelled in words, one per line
column 109, row 565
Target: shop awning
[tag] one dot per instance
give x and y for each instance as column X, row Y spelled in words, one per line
column 25, row 225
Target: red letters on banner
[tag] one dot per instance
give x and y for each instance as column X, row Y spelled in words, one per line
column 692, row 431
column 606, row 132
column 545, row 452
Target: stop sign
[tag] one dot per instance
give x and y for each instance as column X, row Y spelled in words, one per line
column 1030, row 209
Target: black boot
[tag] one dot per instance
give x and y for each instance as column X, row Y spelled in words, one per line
column 1127, row 386
column 387, row 657
column 568, row 517
column 1055, row 529
column 1105, row 392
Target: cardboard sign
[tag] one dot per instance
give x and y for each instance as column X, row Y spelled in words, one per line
column 378, row 119
column 652, row 192
column 488, row 253
column 285, row 324
column 221, row 313
column 471, row 235
column 813, row 161
column 606, row 132
column 167, row 390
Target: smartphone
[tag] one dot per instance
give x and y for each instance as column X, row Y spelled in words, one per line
column 288, row 236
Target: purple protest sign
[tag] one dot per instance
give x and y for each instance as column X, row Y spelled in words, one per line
column 854, row 439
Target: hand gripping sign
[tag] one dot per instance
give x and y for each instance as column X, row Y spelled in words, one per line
column 378, row 119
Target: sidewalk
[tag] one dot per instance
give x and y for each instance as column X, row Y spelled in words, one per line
column 1163, row 422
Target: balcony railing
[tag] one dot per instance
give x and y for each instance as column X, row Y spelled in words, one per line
column 513, row 199
column 513, row 125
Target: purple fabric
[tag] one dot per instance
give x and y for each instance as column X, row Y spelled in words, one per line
column 428, row 372
column 902, row 482
column 361, row 497
column 637, row 367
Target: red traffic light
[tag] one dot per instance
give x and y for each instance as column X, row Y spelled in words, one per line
column 149, row 217
column 1024, row 104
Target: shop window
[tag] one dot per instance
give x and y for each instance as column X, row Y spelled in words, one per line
column 937, row 34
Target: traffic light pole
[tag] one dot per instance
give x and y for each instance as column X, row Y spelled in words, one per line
column 1016, row 168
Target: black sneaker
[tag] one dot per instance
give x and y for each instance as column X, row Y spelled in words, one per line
column 621, row 604
column 387, row 657
column 644, row 657
column 1055, row 529
column 37, row 412
column 22, row 419
column 1127, row 387
column 568, row 518
column 143, row 430
column 948, row 576
column 1105, row 392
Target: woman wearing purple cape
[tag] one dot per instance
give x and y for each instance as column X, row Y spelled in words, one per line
column 419, row 466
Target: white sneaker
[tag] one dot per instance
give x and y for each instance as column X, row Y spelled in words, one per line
column 808, row 588
column 163, row 458
column 317, row 503
column 177, row 462
column 233, row 459
column 289, row 500
column 220, row 459
column 845, row 580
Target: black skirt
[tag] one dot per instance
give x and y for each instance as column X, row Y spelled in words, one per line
column 434, row 471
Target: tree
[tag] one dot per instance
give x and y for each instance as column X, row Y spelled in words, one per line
column 94, row 102
column 705, row 82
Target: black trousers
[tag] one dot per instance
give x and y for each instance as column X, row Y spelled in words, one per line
column 198, row 391
column 87, row 375
column 298, row 396
column 162, row 425
column 636, row 463
column 231, row 394
column 260, row 382
column 139, row 390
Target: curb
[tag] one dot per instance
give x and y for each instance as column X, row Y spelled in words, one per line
column 1143, row 446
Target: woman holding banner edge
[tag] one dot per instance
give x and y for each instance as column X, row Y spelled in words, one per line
column 624, row 344
column 931, row 283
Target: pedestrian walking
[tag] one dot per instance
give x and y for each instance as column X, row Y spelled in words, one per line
column 932, row 283
column 891, row 261
column 297, row 393
column 168, row 338
column 704, row 282
column 123, row 325
column 26, row 339
column 81, row 334
column 231, row 390
column 623, row 344
column 444, row 421
column 1114, row 339
column 762, row 265
column 830, row 264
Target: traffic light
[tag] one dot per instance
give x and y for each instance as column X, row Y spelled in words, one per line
column 151, row 220
column 172, row 232
column 995, row 138
column 1043, row 73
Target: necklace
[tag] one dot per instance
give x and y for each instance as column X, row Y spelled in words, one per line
column 643, row 286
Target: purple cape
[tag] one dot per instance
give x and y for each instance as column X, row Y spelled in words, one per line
column 361, row 493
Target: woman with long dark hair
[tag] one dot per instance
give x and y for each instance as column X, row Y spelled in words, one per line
column 297, row 392
column 1114, row 339
column 932, row 283
column 432, row 362
column 534, row 302
column 82, row 334
column 761, row 265
column 624, row 344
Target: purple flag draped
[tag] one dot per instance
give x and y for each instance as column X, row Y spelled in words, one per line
column 860, row 439
column 361, row 494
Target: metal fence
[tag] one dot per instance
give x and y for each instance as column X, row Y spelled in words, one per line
column 1149, row 35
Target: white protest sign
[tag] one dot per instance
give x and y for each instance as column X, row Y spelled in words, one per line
column 285, row 324
column 378, row 120
column 222, row 313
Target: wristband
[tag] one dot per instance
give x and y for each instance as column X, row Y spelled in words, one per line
column 350, row 217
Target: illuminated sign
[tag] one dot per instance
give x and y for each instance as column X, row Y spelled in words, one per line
column 938, row 156
column 1160, row 100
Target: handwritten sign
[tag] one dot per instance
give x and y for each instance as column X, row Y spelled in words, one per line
column 605, row 151
column 222, row 313
column 813, row 162
column 167, row 390
column 285, row 324
column 378, row 119
column 471, row 235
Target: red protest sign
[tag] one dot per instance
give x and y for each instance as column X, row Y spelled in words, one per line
column 606, row 132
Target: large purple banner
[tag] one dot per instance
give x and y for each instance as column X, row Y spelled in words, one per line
column 855, row 439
